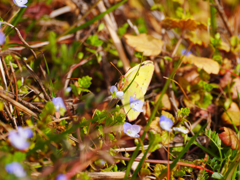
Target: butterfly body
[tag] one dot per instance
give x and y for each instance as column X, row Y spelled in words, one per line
column 138, row 87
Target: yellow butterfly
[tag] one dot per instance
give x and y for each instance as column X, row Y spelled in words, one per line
column 138, row 88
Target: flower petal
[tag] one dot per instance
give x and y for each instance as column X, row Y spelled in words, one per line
column 113, row 88
column 61, row 177
column 58, row 103
column 16, row 169
column 20, row 3
column 131, row 130
column 120, row 94
column 165, row 123
column 136, row 104
column 2, row 38
column 25, row 132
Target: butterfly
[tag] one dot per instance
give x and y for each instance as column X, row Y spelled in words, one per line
column 138, row 87
column 20, row 3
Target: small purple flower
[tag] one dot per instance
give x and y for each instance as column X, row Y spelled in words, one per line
column 68, row 89
column 61, row 177
column 16, row 169
column 165, row 123
column 115, row 93
column 2, row 38
column 58, row 103
column 184, row 51
column 136, row 104
column 18, row 138
column 131, row 130
column 20, row 3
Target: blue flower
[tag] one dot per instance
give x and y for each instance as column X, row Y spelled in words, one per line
column 136, row 104
column 61, row 177
column 58, row 103
column 18, row 138
column 184, row 51
column 20, row 3
column 131, row 130
column 2, row 38
column 16, row 169
column 165, row 123
column 115, row 93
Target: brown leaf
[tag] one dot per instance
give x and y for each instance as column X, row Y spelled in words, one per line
column 224, row 46
column 234, row 115
column 225, row 80
column 209, row 65
column 229, row 138
column 235, row 88
column 200, row 38
column 36, row 11
column 147, row 44
column 183, row 24
column 165, row 102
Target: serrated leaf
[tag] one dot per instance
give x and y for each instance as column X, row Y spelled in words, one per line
column 144, row 43
column 209, row 65
column 85, row 82
column 183, row 24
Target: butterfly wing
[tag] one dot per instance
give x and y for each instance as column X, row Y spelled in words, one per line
column 135, row 91
column 138, row 87
column 144, row 75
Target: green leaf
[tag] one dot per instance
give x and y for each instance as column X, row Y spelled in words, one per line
column 156, row 138
column 94, row 41
column 85, row 82
column 122, row 30
column 183, row 112
column 80, row 55
column 101, row 26
column 19, row 156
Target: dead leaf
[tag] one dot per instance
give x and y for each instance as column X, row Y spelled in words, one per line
column 235, row 88
column 226, row 64
column 147, row 109
column 192, row 76
column 147, row 44
column 234, row 107
column 224, row 46
column 225, row 80
column 229, row 138
column 155, row 125
column 165, row 102
column 235, row 116
column 209, row 65
column 199, row 37
column 183, row 24
column 36, row 11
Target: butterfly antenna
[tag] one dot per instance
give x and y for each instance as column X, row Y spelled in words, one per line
column 116, row 68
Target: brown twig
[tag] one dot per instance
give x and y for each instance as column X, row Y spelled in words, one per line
column 35, row 56
column 117, row 42
column 16, row 91
column 223, row 16
column 17, row 104
column 14, row 123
